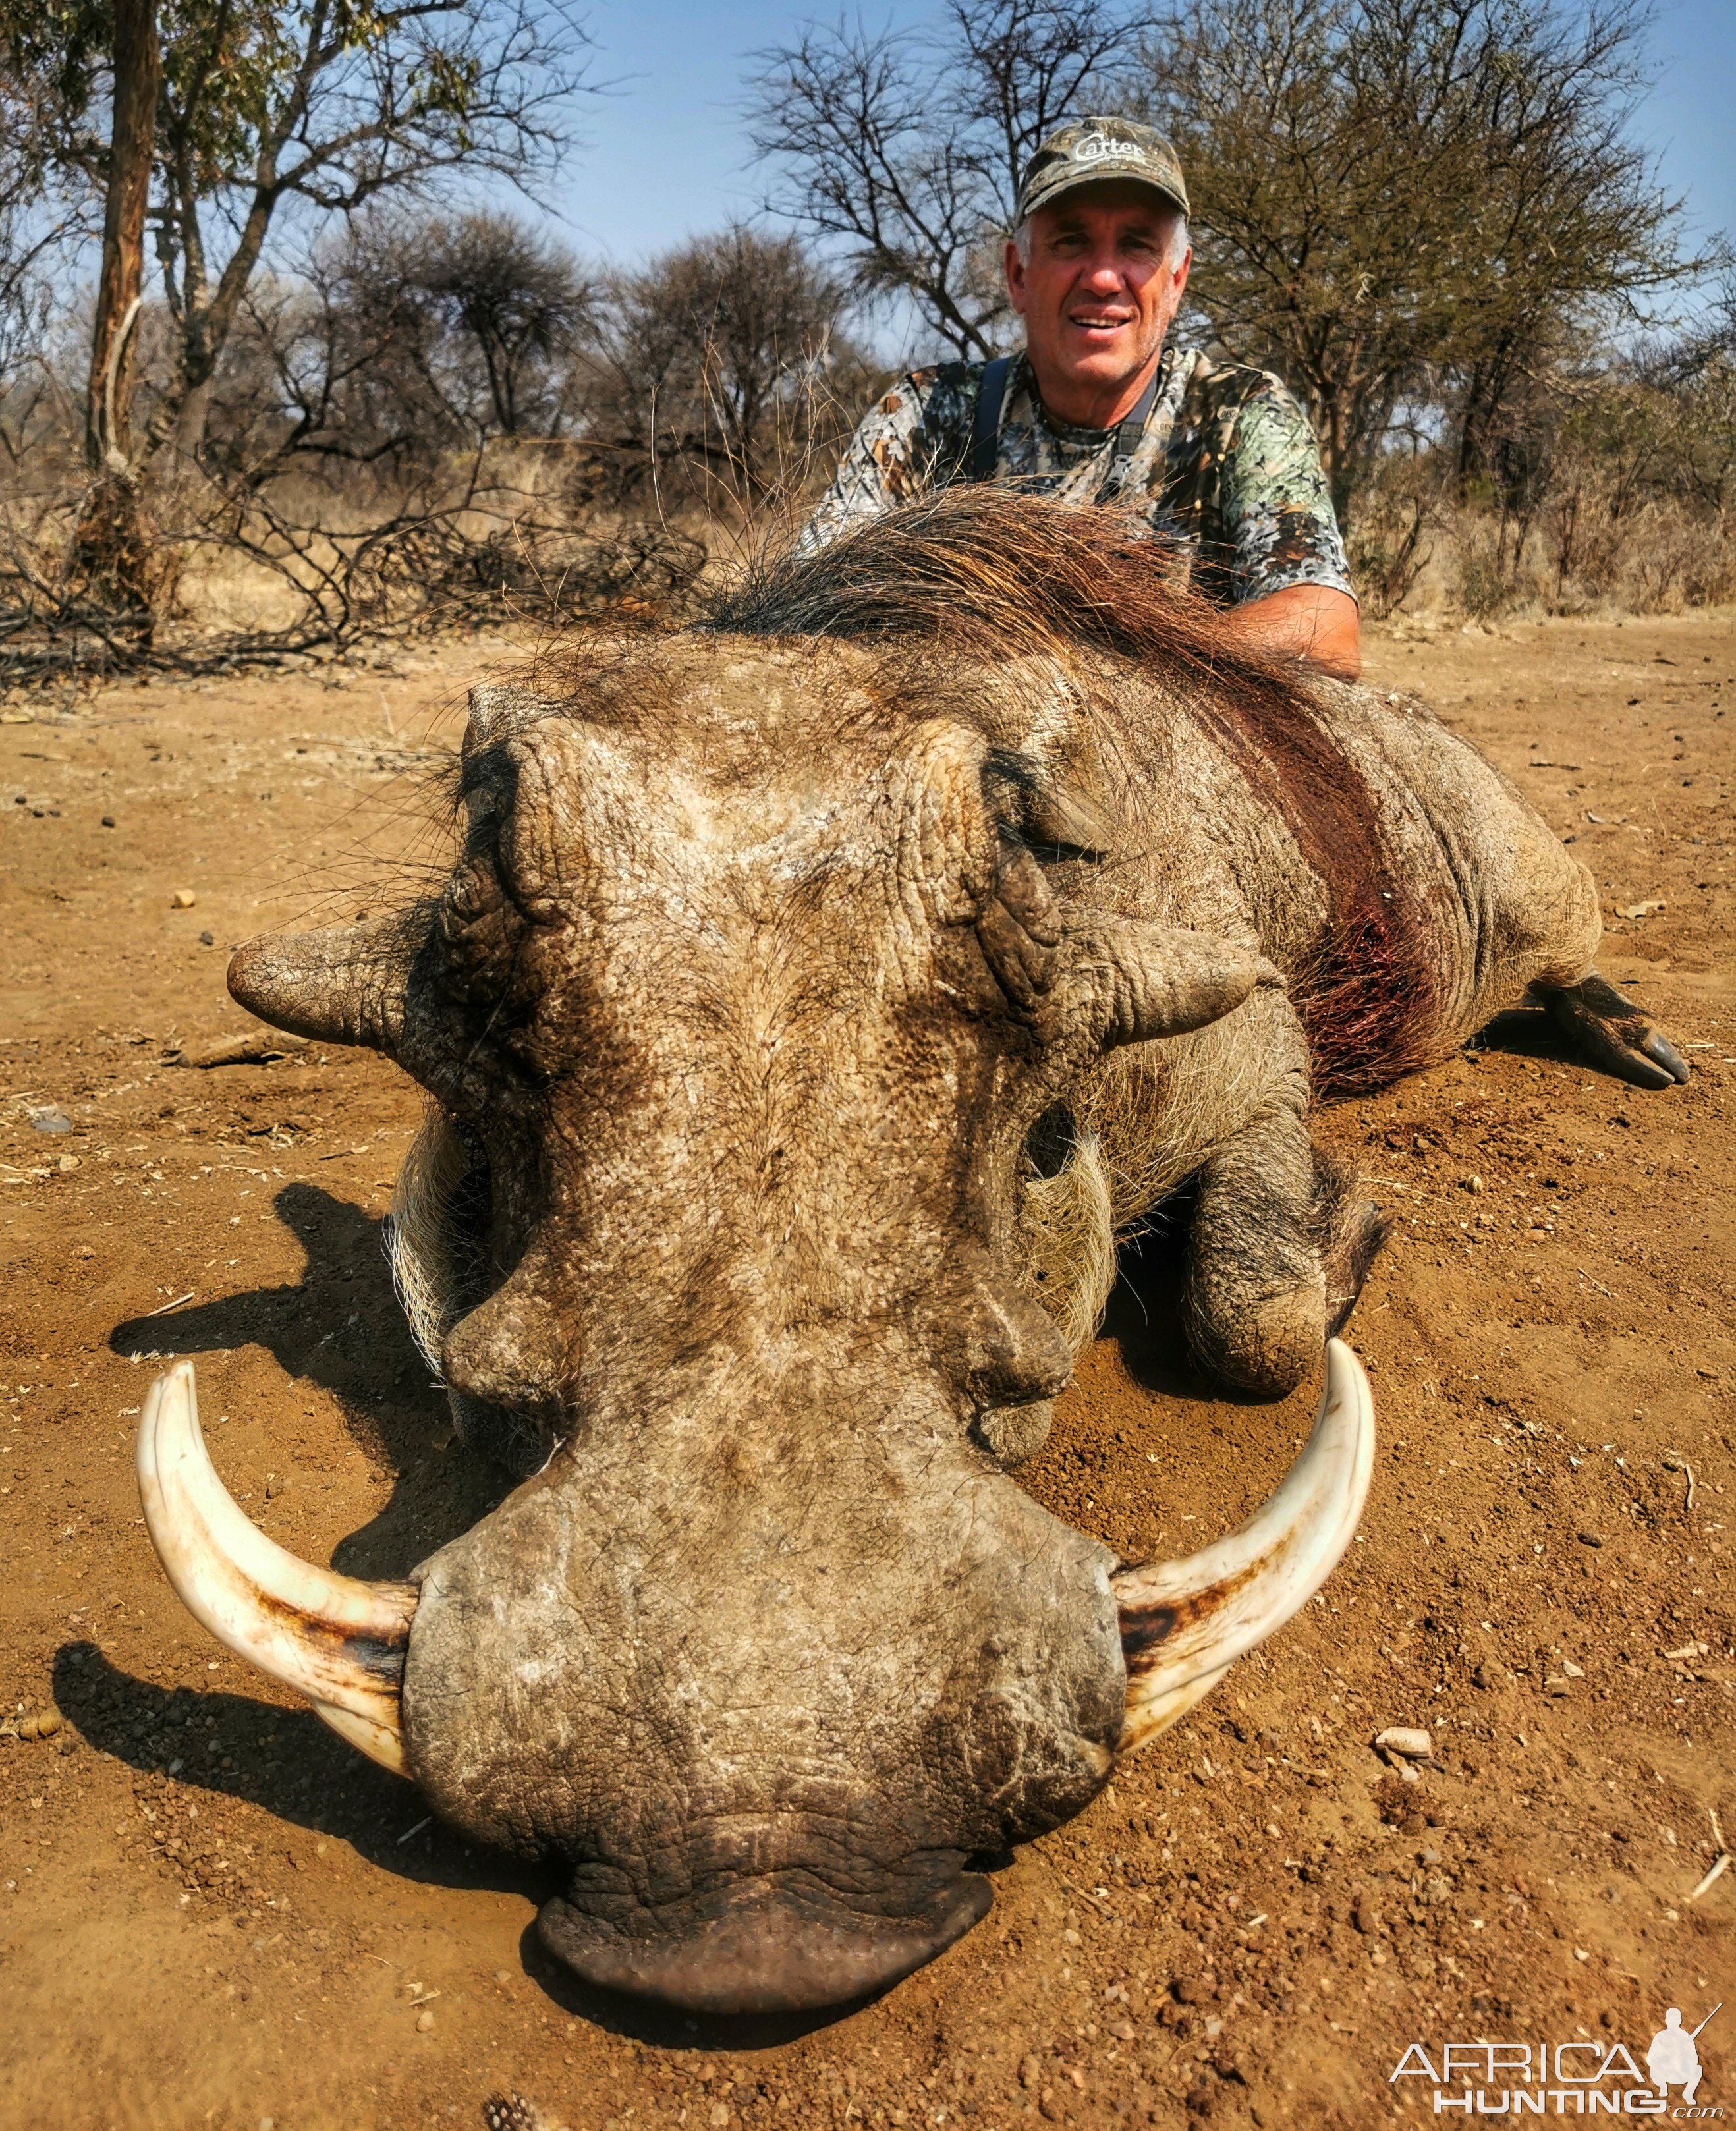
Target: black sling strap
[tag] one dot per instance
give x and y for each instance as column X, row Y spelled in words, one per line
column 986, row 427
column 991, row 398
column 1130, row 428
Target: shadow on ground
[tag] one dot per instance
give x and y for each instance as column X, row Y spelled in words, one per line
column 283, row 1760
column 341, row 1329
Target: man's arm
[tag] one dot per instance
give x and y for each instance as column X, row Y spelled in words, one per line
column 1292, row 577
column 1315, row 624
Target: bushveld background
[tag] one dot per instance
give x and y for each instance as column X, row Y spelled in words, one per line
column 289, row 360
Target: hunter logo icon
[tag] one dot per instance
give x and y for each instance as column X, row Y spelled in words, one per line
column 1672, row 2059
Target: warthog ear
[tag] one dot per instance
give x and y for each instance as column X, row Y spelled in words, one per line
column 346, row 984
column 497, row 711
column 1129, row 981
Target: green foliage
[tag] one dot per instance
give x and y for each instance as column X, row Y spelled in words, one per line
column 1413, row 202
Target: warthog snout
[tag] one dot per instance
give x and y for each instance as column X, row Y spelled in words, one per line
column 768, row 1943
column 770, row 1689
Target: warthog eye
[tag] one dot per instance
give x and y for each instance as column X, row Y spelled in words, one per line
column 1057, row 824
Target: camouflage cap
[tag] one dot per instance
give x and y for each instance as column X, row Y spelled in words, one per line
column 1092, row 151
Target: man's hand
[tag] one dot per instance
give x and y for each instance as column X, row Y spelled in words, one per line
column 1311, row 623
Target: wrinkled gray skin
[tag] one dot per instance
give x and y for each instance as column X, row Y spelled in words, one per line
column 752, row 980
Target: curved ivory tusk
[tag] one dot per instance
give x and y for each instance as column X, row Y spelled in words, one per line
column 1184, row 1623
column 338, row 1640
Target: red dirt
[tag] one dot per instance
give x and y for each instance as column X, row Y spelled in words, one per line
column 213, row 1913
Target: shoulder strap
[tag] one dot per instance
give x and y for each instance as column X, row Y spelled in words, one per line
column 986, row 426
column 1131, row 428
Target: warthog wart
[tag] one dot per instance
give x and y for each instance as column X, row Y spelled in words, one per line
column 816, row 994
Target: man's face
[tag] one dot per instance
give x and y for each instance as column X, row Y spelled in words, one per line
column 1097, row 294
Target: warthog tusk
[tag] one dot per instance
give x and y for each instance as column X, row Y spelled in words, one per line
column 338, row 1640
column 1184, row 1623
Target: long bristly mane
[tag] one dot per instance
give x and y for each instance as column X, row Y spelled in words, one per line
column 984, row 572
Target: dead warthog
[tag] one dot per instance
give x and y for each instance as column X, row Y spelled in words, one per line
column 817, row 992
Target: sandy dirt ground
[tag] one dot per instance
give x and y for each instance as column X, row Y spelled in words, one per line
column 211, row 1913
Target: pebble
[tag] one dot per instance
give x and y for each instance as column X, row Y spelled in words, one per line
column 43, row 1724
column 1400, row 1739
column 1590, row 1538
column 424, row 2022
column 50, row 1118
column 183, row 899
column 108, row 820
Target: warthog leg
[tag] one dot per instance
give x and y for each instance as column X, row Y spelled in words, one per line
column 1611, row 1032
column 1279, row 1248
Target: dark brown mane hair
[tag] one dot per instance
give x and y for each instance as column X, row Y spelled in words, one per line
column 982, row 571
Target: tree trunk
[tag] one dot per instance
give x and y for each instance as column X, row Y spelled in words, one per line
column 1336, row 454
column 120, row 293
column 110, row 559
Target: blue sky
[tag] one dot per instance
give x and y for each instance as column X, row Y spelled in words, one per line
column 668, row 157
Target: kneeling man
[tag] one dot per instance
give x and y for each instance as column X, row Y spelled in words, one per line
column 1098, row 408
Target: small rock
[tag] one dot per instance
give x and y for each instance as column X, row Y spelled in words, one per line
column 1029, row 2071
column 1572, row 1671
column 42, row 1724
column 50, row 1118
column 720, row 2115
column 69, row 1162
column 1480, row 1676
column 207, row 939
column 183, row 899
column 424, row 2022
column 1475, row 1183
column 108, row 820
column 1413, row 1746
column 1590, row 1538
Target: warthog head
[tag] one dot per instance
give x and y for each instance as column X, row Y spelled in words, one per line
column 738, row 1008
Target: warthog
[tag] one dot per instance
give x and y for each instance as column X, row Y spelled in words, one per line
column 817, row 992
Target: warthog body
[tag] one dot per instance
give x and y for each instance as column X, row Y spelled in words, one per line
column 815, row 995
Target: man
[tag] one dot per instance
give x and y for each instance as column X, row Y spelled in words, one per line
column 1098, row 408
column 1672, row 2059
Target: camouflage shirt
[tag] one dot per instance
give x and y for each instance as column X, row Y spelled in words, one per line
column 1227, row 464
